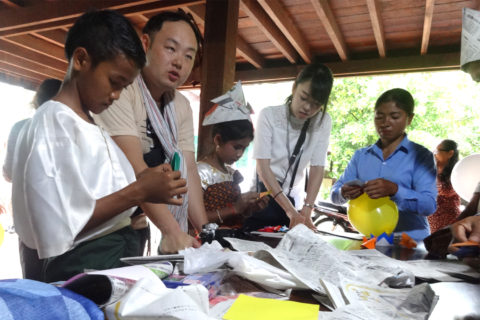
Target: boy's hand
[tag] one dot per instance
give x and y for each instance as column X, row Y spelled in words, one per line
column 161, row 185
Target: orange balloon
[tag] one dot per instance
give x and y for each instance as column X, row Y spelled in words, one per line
column 373, row 216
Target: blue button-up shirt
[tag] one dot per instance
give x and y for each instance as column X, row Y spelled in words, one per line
column 411, row 166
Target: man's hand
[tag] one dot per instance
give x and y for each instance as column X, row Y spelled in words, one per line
column 351, row 192
column 379, row 188
column 177, row 241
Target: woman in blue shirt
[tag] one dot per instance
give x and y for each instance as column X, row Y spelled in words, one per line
column 394, row 167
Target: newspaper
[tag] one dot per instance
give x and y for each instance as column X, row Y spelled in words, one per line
column 313, row 261
column 470, row 47
column 368, row 302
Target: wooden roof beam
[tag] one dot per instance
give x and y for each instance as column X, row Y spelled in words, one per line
column 56, row 36
column 16, row 80
column 377, row 25
column 286, row 24
column 12, row 4
column 23, row 63
column 324, row 12
column 24, row 73
column 35, row 44
column 243, row 48
column 427, row 25
column 263, row 21
column 39, row 58
column 350, row 68
column 49, row 15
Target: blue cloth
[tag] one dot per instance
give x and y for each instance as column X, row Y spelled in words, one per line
column 411, row 166
column 22, row 299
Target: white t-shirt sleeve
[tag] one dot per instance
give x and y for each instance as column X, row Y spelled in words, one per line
column 263, row 142
column 57, row 197
column 319, row 156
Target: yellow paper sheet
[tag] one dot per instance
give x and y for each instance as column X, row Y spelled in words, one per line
column 252, row 308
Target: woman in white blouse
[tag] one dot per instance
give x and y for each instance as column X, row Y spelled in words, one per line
column 282, row 157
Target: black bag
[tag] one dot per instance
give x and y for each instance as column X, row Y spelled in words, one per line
column 273, row 214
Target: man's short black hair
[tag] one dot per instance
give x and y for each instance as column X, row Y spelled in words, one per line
column 105, row 34
column 155, row 24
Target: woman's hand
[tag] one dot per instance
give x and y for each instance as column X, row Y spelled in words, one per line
column 161, row 185
column 351, row 192
column 379, row 188
column 306, row 212
column 296, row 218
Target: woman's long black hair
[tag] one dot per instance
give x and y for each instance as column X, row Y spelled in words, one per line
column 448, row 145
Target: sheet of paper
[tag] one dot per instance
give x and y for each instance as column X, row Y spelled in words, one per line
column 252, row 308
column 246, row 245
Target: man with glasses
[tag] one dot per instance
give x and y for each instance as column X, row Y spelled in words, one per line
column 152, row 121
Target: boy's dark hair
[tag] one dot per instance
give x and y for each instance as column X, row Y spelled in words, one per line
column 448, row 145
column 321, row 86
column 105, row 34
column 46, row 91
column 155, row 24
column 402, row 98
column 233, row 130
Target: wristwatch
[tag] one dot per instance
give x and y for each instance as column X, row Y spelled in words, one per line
column 208, row 232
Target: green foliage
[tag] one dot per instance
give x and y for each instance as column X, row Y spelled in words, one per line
column 446, row 107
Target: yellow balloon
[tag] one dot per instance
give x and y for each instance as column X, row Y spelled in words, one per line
column 2, row 233
column 373, row 216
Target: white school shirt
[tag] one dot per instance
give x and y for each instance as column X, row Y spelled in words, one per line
column 63, row 165
column 271, row 141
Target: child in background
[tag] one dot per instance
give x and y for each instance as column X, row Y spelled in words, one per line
column 448, row 201
column 232, row 132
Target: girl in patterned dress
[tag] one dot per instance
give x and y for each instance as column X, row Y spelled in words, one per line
column 448, row 201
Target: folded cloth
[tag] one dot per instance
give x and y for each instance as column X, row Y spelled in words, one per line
column 28, row 299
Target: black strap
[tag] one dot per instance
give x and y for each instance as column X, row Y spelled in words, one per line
column 296, row 153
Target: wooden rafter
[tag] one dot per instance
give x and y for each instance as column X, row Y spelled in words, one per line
column 22, row 63
column 21, row 71
column 429, row 62
column 17, row 80
column 243, row 48
column 324, row 12
column 377, row 26
column 49, row 15
column 35, row 44
column 285, row 23
column 48, row 39
column 427, row 25
column 39, row 58
column 263, row 21
column 56, row 36
column 11, row 4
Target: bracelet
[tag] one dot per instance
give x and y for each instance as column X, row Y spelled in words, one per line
column 219, row 216
column 308, row 205
column 276, row 194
